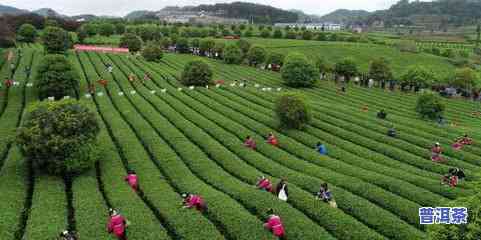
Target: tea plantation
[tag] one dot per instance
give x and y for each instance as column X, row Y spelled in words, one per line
column 181, row 139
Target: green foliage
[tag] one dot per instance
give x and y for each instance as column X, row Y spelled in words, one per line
column 244, row 45
column 51, row 23
column 265, row 33
column 226, row 32
column 449, row 53
column 298, row 71
column 81, row 35
column 182, row 45
column 277, row 33
column 55, row 40
column 257, row 55
column 407, row 46
column 346, row 68
column 323, row 66
column 470, row 231
column 275, row 58
column 149, row 32
column 195, row 43
column 380, row 70
column 465, row 78
column 90, row 28
column 165, row 42
column 59, row 137
column 197, row 73
column 292, row 112
column 27, row 33
column 206, row 45
column 131, row 41
column 152, row 53
column 322, row 37
column 248, row 33
column 120, row 28
column 291, row 34
column 429, row 105
column 219, row 47
column 56, row 78
column 232, row 54
column 418, row 76
column 307, row 35
column 106, row 29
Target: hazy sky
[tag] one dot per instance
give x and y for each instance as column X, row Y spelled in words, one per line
column 122, row 7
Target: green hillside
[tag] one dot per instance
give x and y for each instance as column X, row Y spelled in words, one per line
column 191, row 140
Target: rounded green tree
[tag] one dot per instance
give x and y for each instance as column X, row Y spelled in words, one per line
column 380, row 70
column 465, row 78
column 298, row 71
column 418, row 77
column 429, row 105
column 256, row 55
column 346, row 68
column 27, row 33
column 106, row 29
column 55, row 40
column 232, row 54
column 275, row 58
column 278, row 33
column 244, row 45
column 197, row 73
column 152, row 53
column 182, row 45
column 323, row 66
column 131, row 41
column 292, row 112
column 56, row 78
column 59, row 137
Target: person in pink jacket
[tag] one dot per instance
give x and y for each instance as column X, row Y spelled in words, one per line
column 191, row 200
column 132, row 180
column 274, row 224
column 117, row 225
column 250, row 143
column 264, row 184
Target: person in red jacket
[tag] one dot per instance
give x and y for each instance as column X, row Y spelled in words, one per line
column 457, row 145
column 436, row 153
column 117, row 225
column 8, row 83
column 274, row 224
column 272, row 140
column 132, row 180
column 466, row 140
column 103, row 82
column 264, row 184
column 191, row 200
column 250, row 143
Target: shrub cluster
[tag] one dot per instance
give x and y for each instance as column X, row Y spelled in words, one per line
column 59, row 137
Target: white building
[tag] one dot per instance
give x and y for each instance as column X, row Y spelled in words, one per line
column 313, row 26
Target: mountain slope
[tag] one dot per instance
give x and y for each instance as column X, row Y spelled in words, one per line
column 434, row 14
column 344, row 15
column 11, row 10
column 47, row 12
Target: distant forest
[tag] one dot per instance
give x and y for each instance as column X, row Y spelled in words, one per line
column 439, row 12
column 258, row 13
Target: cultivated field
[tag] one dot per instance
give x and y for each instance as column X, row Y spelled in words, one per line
column 192, row 141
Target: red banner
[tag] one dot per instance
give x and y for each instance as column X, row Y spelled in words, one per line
column 100, row 49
